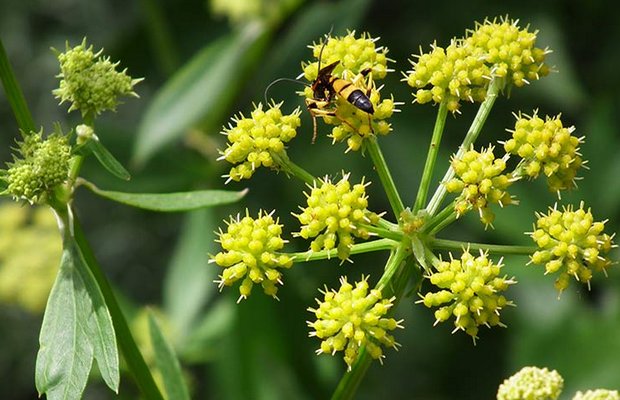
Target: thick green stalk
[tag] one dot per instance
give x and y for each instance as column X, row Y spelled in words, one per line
column 431, row 157
column 132, row 356
column 445, row 244
column 472, row 134
column 384, row 175
column 391, row 283
column 14, row 94
column 291, row 168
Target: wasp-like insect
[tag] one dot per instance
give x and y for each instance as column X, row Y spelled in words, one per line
column 326, row 86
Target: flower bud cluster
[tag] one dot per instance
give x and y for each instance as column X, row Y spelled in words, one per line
column 334, row 215
column 44, row 164
column 251, row 252
column 463, row 70
column 91, row 82
column 361, row 63
column 571, row 243
column 253, row 142
column 27, row 276
column 598, row 394
column 471, row 289
column 532, row 383
column 480, row 182
column 546, row 147
column 351, row 318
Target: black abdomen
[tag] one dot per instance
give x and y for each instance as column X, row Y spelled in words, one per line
column 361, row 101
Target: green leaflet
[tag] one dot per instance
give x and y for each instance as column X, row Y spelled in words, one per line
column 77, row 327
column 170, row 202
column 107, row 160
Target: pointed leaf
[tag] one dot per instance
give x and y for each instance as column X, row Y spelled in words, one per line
column 167, row 363
column 202, row 91
column 65, row 355
column 107, row 160
column 170, row 202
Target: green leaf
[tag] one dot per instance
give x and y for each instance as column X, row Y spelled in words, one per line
column 106, row 159
column 170, row 202
column 189, row 282
column 76, row 328
column 167, row 363
column 202, row 92
column 14, row 93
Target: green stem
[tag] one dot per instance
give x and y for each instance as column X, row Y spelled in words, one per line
column 431, row 157
column 392, row 283
column 384, row 175
column 441, row 220
column 445, row 244
column 395, row 235
column 367, row 247
column 291, row 168
column 14, row 94
column 473, row 132
column 131, row 354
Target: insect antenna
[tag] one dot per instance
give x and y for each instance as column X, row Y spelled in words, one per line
column 281, row 80
column 329, row 34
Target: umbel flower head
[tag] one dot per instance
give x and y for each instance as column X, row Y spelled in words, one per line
column 480, row 182
column 254, row 141
column 335, row 214
column 470, row 291
column 532, row 383
column 546, row 147
column 90, row 82
column 41, row 166
column 361, row 63
column 351, row 318
column 598, row 394
column 250, row 251
column 464, row 69
column 571, row 243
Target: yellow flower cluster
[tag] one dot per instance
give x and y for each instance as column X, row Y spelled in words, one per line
column 334, row 215
column 360, row 62
column 351, row 318
column 598, row 394
column 27, row 276
column 571, row 243
column 253, row 142
column 532, row 383
column 470, row 291
column 251, row 252
column 480, row 182
column 463, row 70
column 546, row 147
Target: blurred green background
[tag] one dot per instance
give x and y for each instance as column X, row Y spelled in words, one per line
column 201, row 68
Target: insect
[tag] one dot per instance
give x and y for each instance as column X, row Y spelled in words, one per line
column 326, row 86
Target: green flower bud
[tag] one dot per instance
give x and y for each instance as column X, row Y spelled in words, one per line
column 546, row 147
column 334, row 215
column 91, row 82
column 532, row 383
column 44, row 165
column 571, row 243
column 351, row 318
column 598, row 394
column 480, row 181
column 253, row 142
column 470, row 290
column 251, row 252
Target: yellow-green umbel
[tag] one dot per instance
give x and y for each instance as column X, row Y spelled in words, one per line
column 250, row 251
column 572, row 244
column 532, row 383
column 598, row 394
column 353, row 317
